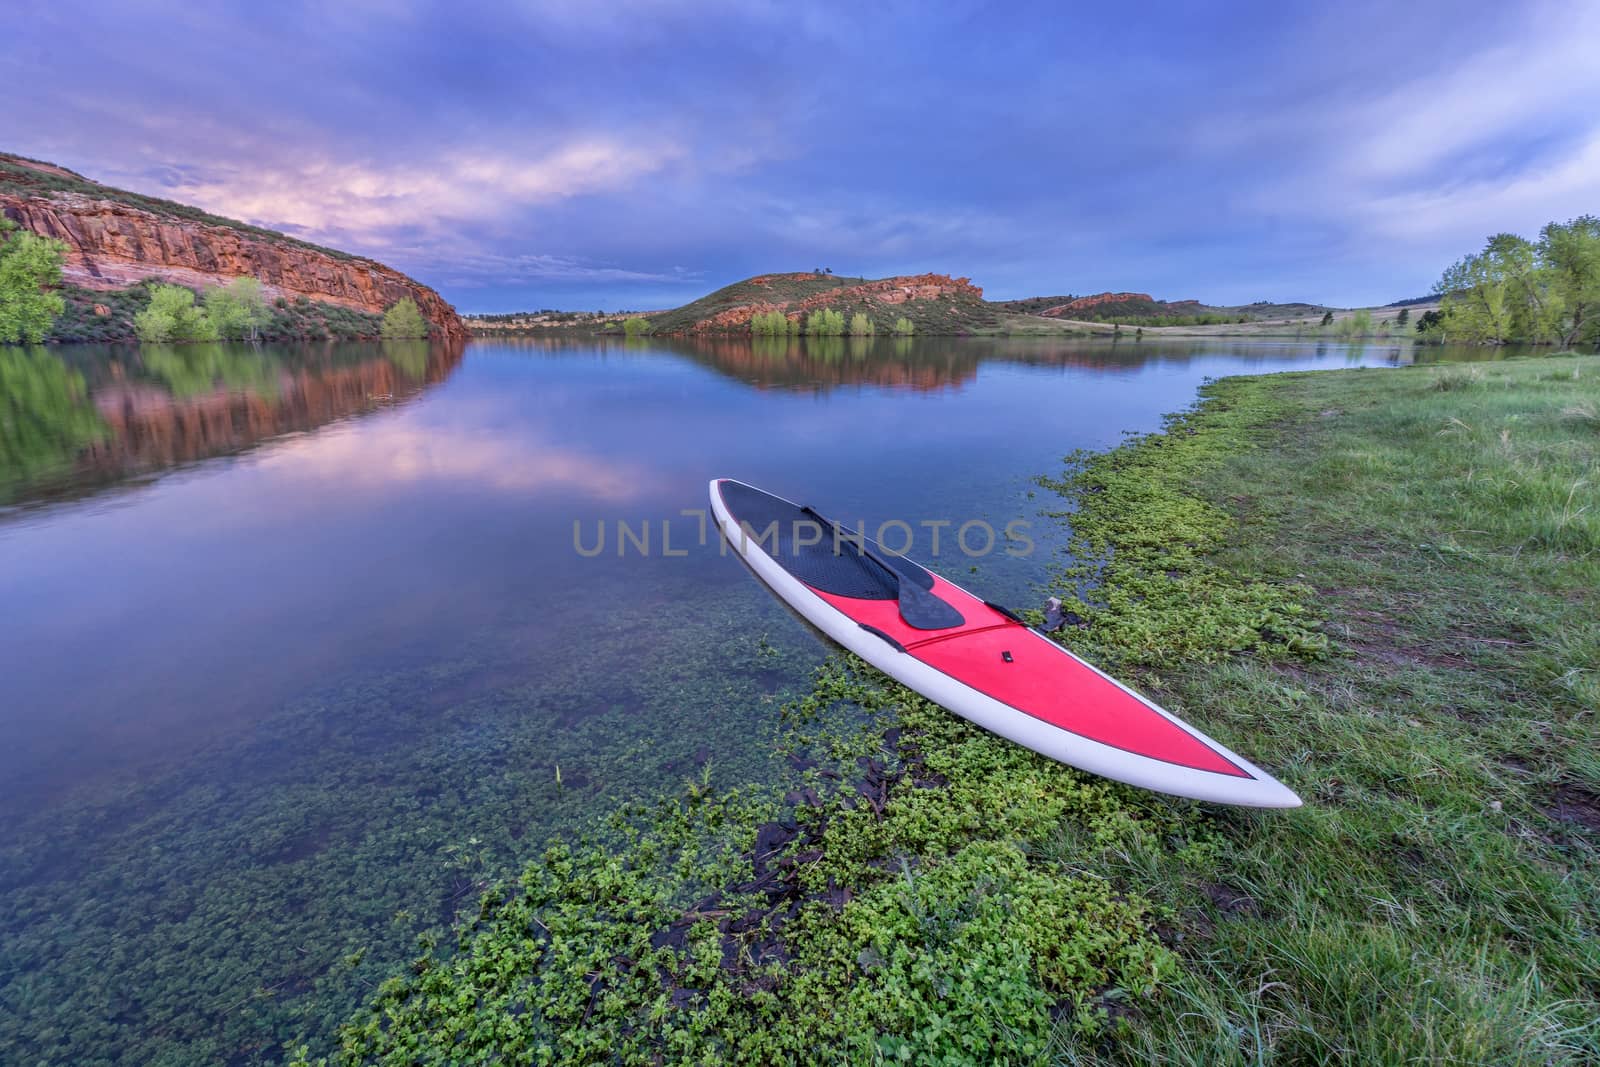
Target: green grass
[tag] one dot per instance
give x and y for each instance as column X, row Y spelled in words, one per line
column 1381, row 584
column 1435, row 900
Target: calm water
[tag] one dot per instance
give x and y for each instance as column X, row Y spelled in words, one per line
column 294, row 640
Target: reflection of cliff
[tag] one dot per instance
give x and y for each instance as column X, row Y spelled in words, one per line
column 923, row 364
column 154, row 413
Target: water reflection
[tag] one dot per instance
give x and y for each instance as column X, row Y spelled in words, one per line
column 45, row 415
column 932, row 364
column 83, row 417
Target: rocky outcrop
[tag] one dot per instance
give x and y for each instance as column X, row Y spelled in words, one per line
column 883, row 291
column 113, row 244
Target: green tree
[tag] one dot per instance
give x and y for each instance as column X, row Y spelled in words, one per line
column 403, row 321
column 769, row 324
column 30, row 268
column 1359, row 324
column 173, row 316
column 637, row 327
column 825, row 322
column 238, row 310
column 861, row 326
column 1571, row 253
column 1327, row 318
column 904, row 326
column 1404, row 317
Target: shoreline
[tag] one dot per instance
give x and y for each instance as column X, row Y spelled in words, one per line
column 1408, row 655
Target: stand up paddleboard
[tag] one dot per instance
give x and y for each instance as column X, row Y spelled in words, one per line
column 976, row 658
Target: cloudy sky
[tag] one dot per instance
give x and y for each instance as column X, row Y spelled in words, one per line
column 586, row 153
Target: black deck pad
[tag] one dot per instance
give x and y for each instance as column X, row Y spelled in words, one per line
column 845, row 573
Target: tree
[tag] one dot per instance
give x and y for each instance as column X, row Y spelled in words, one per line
column 637, row 327
column 904, row 326
column 1571, row 253
column 1404, row 317
column 30, row 268
column 861, row 326
column 173, row 316
column 769, row 324
column 238, row 310
column 403, row 320
column 1359, row 324
column 1327, row 318
column 825, row 322
column 1429, row 322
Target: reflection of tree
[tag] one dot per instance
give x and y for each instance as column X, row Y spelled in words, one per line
column 196, row 401
column 45, row 416
column 409, row 357
column 825, row 348
column 193, row 370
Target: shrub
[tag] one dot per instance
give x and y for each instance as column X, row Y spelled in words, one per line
column 904, row 326
column 403, row 321
column 30, row 268
column 637, row 327
column 770, row 324
column 825, row 322
column 238, row 310
column 1357, row 325
column 173, row 316
column 861, row 326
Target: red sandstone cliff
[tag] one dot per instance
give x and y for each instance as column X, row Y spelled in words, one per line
column 113, row 244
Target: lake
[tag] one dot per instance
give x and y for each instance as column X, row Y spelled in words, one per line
column 302, row 644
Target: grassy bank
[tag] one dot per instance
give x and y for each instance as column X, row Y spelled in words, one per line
column 1381, row 584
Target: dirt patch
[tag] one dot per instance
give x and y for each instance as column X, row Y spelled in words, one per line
column 1231, row 901
column 1575, row 805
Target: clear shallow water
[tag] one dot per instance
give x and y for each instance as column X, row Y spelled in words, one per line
column 294, row 639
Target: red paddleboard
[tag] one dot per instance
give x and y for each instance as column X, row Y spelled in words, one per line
column 976, row 658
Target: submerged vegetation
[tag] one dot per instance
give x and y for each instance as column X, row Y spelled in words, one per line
column 1382, row 585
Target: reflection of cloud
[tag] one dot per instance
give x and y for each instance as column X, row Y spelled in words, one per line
column 383, row 456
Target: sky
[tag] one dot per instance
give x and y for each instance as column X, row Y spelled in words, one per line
column 638, row 153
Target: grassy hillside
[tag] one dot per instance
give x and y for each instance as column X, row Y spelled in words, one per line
column 1139, row 309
